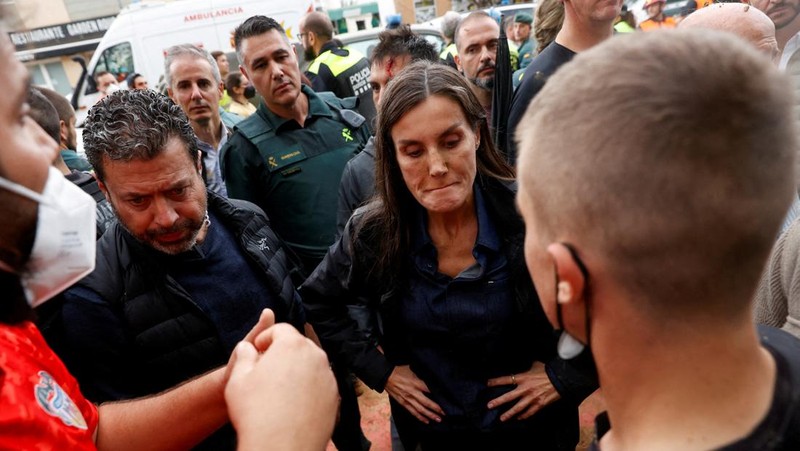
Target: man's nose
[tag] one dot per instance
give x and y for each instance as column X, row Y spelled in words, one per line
column 486, row 54
column 164, row 215
column 277, row 72
column 196, row 92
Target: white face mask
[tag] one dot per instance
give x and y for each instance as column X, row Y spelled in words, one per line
column 64, row 248
column 112, row 88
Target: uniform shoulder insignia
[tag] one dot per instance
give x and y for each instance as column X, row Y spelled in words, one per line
column 350, row 103
column 344, row 107
column 352, row 118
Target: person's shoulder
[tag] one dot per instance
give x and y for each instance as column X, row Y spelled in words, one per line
column 782, row 343
column 504, row 187
column 114, row 257
column 237, row 140
column 230, row 207
column 780, row 429
column 230, row 118
column 342, row 109
column 647, row 23
column 11, row 334
column 332, row 101
column 362, row 161
column 110, row 244
column 80, row 178
column 785, row 348
column 551, row 58
column 541, row 67
column 789, row 244
column 248, row 128
column 500, row 198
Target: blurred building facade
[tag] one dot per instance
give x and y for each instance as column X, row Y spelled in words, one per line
column 47, row 34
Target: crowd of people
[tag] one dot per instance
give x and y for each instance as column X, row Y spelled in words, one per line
column 217, row 275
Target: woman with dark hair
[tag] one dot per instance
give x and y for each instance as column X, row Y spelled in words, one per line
column 463, row 346
column 240, row 92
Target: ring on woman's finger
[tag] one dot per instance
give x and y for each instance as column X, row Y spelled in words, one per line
column 514, row 379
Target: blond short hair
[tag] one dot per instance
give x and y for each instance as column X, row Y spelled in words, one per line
column 668, row 157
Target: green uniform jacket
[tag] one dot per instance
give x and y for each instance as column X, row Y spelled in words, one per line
column 293, row 173
column 526, row 53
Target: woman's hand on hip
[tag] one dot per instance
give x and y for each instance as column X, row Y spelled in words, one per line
column 410, row 391
column 532, row 391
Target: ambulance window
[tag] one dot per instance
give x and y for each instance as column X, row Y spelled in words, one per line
column 118, row 60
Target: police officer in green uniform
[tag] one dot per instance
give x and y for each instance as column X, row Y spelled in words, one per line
column 522, row 29
column 342, row 71
column 288, row 158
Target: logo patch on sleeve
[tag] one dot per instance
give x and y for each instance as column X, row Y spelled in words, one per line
column 55, row 402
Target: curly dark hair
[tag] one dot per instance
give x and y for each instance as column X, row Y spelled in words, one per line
column 134, row 124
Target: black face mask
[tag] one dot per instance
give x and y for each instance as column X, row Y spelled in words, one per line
column 569, row 347
column 249, row 92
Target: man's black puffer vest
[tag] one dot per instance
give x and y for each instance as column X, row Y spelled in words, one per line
column 173, row 340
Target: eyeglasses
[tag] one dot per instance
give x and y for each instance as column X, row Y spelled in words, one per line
column 300, row 35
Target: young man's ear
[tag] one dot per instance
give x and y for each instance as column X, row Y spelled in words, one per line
column 64, row 132
column 103, row 188
column 570, row 291
column 312, row 38
column 571, row 281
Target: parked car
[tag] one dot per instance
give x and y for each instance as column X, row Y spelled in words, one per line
column 365, row 40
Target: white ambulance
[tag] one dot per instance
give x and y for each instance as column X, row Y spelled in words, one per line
column 139, row 36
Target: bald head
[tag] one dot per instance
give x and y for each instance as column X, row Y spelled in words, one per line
column 741, row 19
column 467, row 26
column 319, row 23
column 679, row 210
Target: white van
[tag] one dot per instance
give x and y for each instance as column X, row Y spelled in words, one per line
column 141, row 33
